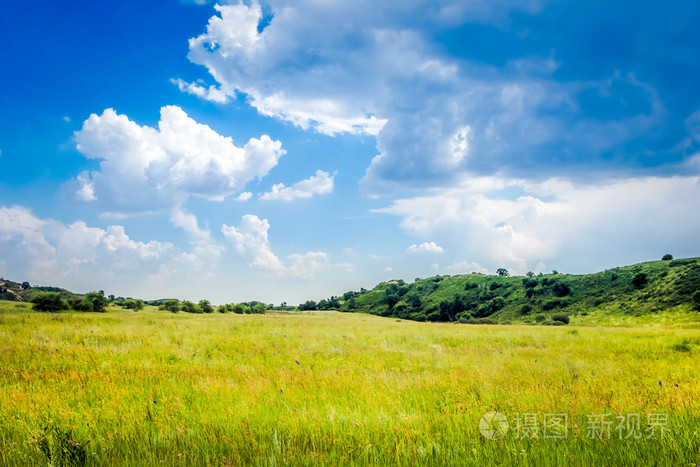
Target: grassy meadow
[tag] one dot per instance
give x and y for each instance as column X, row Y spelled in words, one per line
column 155, row 388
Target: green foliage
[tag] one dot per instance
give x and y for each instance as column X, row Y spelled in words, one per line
column 308, row 305
column 562, row 317
column 171, row 305
column 60, row 448
column 696, row 300
column 205, row 306
column 189, row 307
column 667, row 257
column 502, row 272
column 96, row 301
column 222, row 309
column 540, row 318
column 135, row 305
column 25, row 285
column 640, row 280
column 49, row 302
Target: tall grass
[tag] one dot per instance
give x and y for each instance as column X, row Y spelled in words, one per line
column 153, row 388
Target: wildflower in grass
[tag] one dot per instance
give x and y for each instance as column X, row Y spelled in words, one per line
column 297, row 362
column 660, row 384
column 676, row 385
column 14, row 444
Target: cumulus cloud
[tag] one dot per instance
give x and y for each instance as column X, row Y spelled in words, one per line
column 251, row 241
column 48, row 251
column 363, row 68
column 145, row 169
column 211, row 94
column 318, row 184
column 426, row 247
column 576, row 226
column 308, row 264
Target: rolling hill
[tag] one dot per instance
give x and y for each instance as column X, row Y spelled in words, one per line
column 635, row 290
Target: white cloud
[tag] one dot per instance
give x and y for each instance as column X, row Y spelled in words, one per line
column 211, row 94
column 318, row 184
column 250, row 239
column 47, row 251
column 145, row 169
column 465, row 267
column 188, row 222
column 245, row 196
column 388, row 269
column 307, row 265
column 426, row 247
column 368, row 68
column 571, row 227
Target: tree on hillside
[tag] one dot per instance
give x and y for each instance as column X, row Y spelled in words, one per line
column 171, row 305
column 503, row 272
column 48, row 301
column 135, row 305
column 530, row 274
column 308, row 305
column 97, row 300
column 205, row 306
column 696, row 300
column 667, row 257
column 189, row 307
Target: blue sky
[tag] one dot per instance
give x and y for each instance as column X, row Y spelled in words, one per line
column 280, row 150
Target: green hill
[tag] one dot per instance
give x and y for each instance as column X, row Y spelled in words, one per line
column 23, row 292
column 635, row 290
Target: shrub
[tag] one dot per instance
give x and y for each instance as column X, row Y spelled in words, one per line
column 525, row 309
column 48, row 301
column 540, row 318
column 681, row 262
column 667, row 257
column 98, row 301
column 696, row 300
column 171, row 305
column 562, row 317
column 189, row 307
column 463, row 320
column 639, row 280
column 561, row 290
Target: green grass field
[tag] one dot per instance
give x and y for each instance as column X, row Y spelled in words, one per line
column 153, row 388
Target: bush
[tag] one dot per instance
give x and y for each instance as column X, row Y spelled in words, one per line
column 561, row 290
column 639, row 280
column 680, row 262
column 696, row 300
column 525, row 309
column 171, row 305
column 48, row 301
column 540, row 318
column 189, row 307
column 97, row 300
column 667, row 257
column 562, row 317
column 205, row 306
column 135, row 305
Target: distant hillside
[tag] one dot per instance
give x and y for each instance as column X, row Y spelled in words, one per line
column 23, row 292
column 631, row 290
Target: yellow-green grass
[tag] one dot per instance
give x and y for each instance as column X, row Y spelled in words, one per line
column 153, row 388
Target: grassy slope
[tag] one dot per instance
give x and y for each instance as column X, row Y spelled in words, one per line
column 13, row 291
column 151, row 387
column 670, row 285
